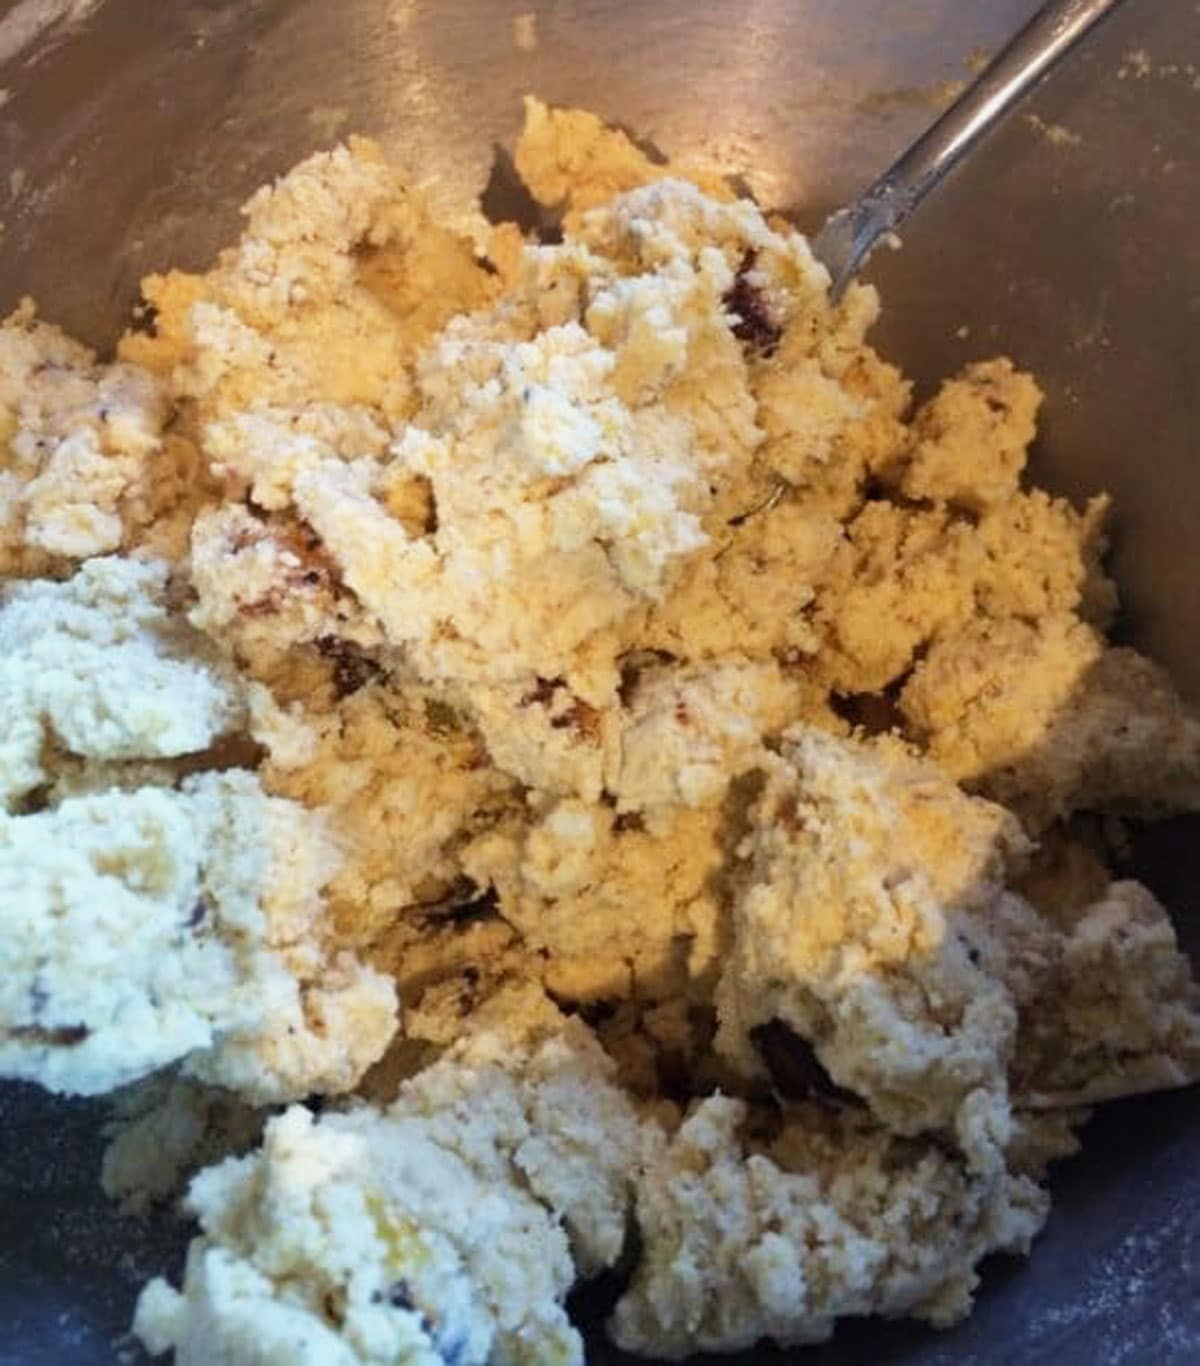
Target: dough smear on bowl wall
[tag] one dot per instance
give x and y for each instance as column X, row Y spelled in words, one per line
column 533, row 759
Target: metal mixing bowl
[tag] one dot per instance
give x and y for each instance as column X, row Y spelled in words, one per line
column 130, row 130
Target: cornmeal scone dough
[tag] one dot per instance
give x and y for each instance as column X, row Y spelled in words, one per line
column 572, row 161
column 878, row 926
column 99, row 667
column 447, row 1227
column 1050, row 719
column 86, row 460
column 557, row 710
column 834, row 1217
column 157, row 925
column 968, row 443
column 868, row 923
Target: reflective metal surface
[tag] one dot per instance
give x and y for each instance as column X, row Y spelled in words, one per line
column 848, row 237
column 131, row 129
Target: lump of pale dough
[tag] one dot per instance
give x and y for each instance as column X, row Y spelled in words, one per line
column 155, row 926
column 688, row 733
column 830, row 407
column 266, row 447
column 553, row 488
column 871, row 878
column 839, row 1217
column 546, row 737
column 447, row 1227
column 400, row 783
column 755, row 597
column 1049, row 720
column 1121, row 1013
column 806, row 414
column 266, row 584
column 969, row 443
column 907, row 577
column 613, row 913
column 77, row 444
column 100, row 667
column 876, row 928
column 528, row 559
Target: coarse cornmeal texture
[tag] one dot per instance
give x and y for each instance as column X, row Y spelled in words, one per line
column 97, row 666
column 567, row 703
column 447, row 1227
column 879, row 925
column 833, row 1216
column 86, row 461
column 154, row 917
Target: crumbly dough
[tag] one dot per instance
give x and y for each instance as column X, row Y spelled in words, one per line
column 874, row 881
column 562, row 700
column 166, row 1127
column 77, row 442
column 835, row 1217
column 98, row 666
column 156, row 926
column 567, row 884
column 405, row 783
column 572, row 161
column 879, row 924
column 1049, row 719
column 969, row 443
column 447, row 1227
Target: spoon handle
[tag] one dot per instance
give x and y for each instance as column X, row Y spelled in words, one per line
column 848, row 236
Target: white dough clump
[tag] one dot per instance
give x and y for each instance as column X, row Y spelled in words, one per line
column 837, row 1217
column 150, row 927
column 877, row 923
column 873, row 878
column 100, row 667
column 567, row 702
column 77, row 440
column 447, row 1227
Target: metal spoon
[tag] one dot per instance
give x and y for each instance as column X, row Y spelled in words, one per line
column 849, row 235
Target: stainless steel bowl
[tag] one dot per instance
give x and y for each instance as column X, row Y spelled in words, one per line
column 130, row 130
